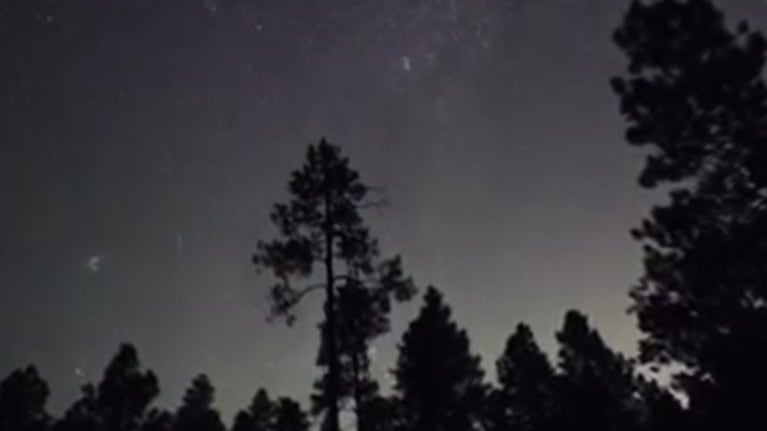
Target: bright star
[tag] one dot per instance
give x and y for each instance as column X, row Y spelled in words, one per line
column 94, row 263
column 406, row 65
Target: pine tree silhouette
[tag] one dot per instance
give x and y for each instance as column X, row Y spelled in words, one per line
column 695, row 95
column 120, row 402
column 525, row 400
column 197, row 412
column 437, row 377
column 289, row 416
column 597, row 387
column 22, row 401
column 322, row 225
column 264, row 414
column 259, row 416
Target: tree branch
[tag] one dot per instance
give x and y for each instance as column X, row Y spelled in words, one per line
column 301, row 293
column 376, row 204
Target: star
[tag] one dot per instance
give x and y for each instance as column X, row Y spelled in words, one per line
column 406, row 64
column 94, row 264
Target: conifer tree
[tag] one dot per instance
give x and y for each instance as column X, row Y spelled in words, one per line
column 120, row 402
column 694, row 94
column 22, row 401
column 289, row 416
column 259, row 416
column 322, row 225
column 264, row 414
column 525, row 399
column 197, row 412
column 438, row 379
column 597, row 388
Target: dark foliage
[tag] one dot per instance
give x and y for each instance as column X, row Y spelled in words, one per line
column 526, row 397
column 259, row 416
column 22, row 401
column 694, row 94
column 120, row 402
column 382, row 414
column 158, row 420
column 289, row 416
column 264, row 414
column 437, row 377
column 322, row 225
column 363, row 315
column 438, row 387
column 196, row 412
column 661, row 410
column 597, row 387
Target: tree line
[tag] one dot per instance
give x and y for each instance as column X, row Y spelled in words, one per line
column 694, row 96
column 439, row 384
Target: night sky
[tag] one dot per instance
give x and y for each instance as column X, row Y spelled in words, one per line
column 143, row 142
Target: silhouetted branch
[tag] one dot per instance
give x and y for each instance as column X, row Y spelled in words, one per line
column 301, row 293
column 377, row 204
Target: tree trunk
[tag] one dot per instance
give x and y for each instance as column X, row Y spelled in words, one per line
column 330, row 311
column 358, row 411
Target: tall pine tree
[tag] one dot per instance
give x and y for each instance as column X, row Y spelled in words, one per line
column 322, row 225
